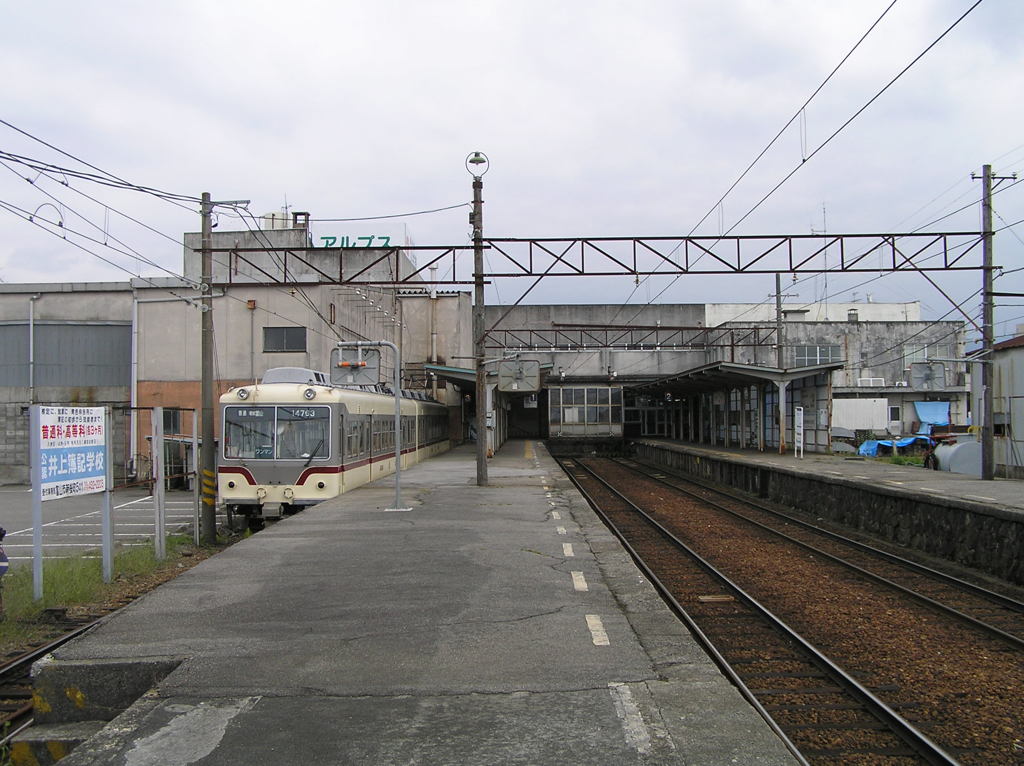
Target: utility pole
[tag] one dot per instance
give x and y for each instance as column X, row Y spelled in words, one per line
column 988, row 461
column 208, row 474
column 988, row 467
column 779, row 359
column 477, row 220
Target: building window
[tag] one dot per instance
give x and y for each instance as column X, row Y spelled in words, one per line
column 922, row 353
column 894, row 414
column 172, row 420
column 805, row 356
column 588, row 409
column 284, row 339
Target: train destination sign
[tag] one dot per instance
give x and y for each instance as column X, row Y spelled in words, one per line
column 72, row 451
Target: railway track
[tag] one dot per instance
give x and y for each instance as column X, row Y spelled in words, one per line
column 864, row 705
column 16, row 680
column 986, row 610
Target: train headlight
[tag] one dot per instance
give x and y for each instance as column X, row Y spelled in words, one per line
column 243, row 393
column 309, row 393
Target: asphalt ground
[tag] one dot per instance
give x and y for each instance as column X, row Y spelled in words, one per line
column 71, row 526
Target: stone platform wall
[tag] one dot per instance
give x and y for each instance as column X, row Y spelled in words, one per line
column 970, row 534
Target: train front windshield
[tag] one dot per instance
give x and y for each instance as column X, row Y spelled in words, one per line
column 269, row 432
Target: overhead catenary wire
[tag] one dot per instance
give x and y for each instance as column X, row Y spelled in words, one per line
column 130, row 250
column 801, row 111
column 26, row 215
column 821, row 146
column 297, row 292
column 102, row 177
column 258, row 234
column 917, row 229
column 855, row 115
column 393, row 215
column 191, row 300
column 169, row 196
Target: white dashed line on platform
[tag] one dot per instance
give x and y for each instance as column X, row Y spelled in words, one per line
column 560, row 530
column 556, row 515
column 567, row 550
column 633, row 725
column 597, row 632
column 579, row 582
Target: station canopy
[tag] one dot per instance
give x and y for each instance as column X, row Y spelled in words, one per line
column 726, row 376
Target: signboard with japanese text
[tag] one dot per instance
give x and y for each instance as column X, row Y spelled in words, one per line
column 72, row 451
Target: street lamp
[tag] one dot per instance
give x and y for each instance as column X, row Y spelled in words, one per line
column 477, row 164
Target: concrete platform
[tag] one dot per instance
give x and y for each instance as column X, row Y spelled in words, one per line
column 963, row 519
column 486, row 625
column 1007, row 494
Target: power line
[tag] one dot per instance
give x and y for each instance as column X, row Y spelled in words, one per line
column 47, row 168
column 759, row 156
column 856, row 114
column 122, row 182
column 260, row 236
column 792, row 119
column 395, row 215
column 65, row 206
column 25, row 215
column 19, row 212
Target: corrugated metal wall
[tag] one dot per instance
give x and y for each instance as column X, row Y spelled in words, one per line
column 67, row 354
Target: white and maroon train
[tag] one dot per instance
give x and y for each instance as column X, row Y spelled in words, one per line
column 294, row 440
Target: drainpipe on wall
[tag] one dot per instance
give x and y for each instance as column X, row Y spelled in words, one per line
column 251, row 305
column 133, row 438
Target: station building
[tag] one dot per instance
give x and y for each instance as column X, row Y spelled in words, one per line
column 705, row 373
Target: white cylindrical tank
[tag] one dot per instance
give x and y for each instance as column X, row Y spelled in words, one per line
column 962, row 457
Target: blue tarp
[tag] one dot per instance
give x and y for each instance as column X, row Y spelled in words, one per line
column 933, row 413
column 870, row 447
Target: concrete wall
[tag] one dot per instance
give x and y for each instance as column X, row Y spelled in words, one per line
column 86, row 316
column 601, row 363
column 14, row 425
column 878, row 361
column 970, row 534
column 81, row 301
column 442, row 325
column 309, row 266
column 740, row 313
column 870, row 349
column 543, row 316
column 1008, row 410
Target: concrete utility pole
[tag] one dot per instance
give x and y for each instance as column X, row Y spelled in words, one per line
column 479, row 159
column 779, row 357
column 986, row 359
column 208, row 474
column 988, row 465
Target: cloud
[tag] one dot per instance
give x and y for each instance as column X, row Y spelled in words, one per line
column 600, row 118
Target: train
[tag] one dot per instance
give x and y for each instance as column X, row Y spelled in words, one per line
column 294, row 439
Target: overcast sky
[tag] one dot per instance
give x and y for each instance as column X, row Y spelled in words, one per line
column 599, row 119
